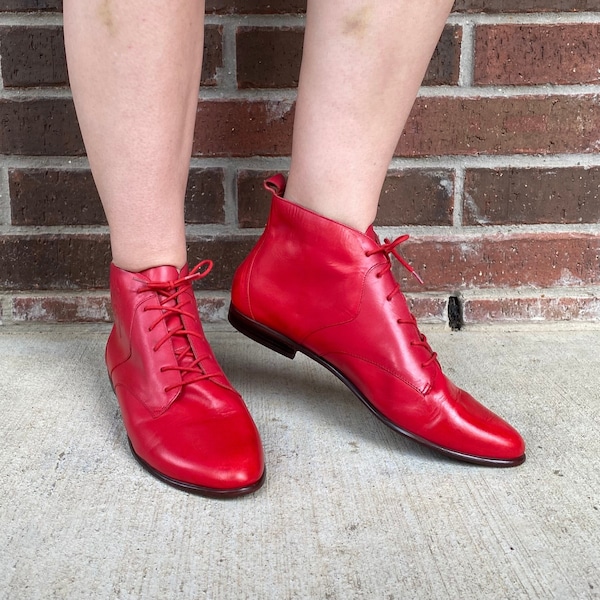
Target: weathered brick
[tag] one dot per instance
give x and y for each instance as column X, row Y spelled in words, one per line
column 543, row 260
column 501, row 125
column 54, row 197
column 537, row 54
column 518, row 196
column 93, row 308
column 536, row 307
column 213, row 54
column 33, row 56
column 205, row 196
column 30, row 5
column 512, row 6
column 427, row 309
column 39, row 127
column 243, row 128
column 416, row 197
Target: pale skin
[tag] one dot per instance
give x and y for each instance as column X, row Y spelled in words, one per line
column 135, row 67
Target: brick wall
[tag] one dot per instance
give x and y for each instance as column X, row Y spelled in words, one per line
column 496, row 176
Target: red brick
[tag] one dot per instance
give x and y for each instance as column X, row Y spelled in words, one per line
column 256, row 6
column 518, row 196
column 33, row 56
column 30, row 5
column 411, row 197
column 226, row 253
column 254, row 202
column 444, row 67
column 243, row 128
column 268, row 57
column 416, row 197
column 54, row 197
column 490, row 6
column 39, row 128
column 54, row 261
column 544, row 260
column 518, row 6
column 205, row 197
column 534, row 308
column 81, row 261
column 437, row 126
column 213, row 54
column 537, row 54
column 501, row 125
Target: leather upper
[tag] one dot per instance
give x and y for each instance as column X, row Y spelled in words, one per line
column 182, row 415
column 330, row 289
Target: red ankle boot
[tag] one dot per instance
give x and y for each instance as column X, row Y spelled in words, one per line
column 186, row 424
column 318, row 287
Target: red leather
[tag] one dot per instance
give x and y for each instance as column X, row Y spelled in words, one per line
column 186, row 424
column 319, row 287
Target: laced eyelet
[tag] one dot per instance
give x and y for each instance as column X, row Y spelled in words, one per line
column 378, row 275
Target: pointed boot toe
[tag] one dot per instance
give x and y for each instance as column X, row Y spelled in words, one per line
column 186, row 424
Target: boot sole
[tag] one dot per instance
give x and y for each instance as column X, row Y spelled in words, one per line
column 198, row 489
column 288, row 348
column 192, row 488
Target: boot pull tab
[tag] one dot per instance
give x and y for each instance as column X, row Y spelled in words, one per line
column 275, row 184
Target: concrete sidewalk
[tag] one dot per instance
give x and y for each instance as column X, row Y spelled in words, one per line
column 350, row 509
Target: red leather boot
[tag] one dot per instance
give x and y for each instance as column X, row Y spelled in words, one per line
column 186, row 424
column 318, row 287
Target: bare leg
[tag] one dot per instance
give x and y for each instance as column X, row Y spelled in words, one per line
column 135, row 73
column 362, row 66
column 134, row 68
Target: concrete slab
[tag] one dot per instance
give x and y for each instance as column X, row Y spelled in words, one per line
column 349, row 510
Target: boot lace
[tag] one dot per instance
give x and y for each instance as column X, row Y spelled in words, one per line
column 389, row 248
column 171, row 309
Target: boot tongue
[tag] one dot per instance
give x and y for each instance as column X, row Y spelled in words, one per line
column 164, row 274
column 370, row 233
column 172, row 321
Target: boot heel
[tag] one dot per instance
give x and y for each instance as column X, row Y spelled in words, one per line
column 260, row 334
